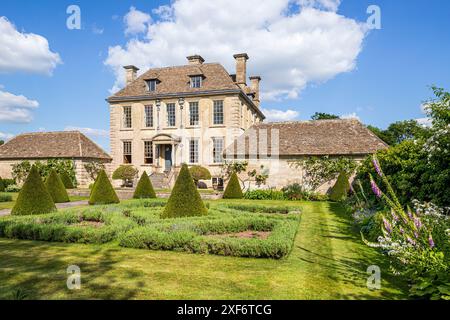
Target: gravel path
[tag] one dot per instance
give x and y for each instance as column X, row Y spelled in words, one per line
column 6, row 212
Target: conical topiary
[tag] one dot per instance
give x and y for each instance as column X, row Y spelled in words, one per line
column 2, row 185
column 66, row 180
column 144, row 188
column 33, row 197
column 341, row 188
column 56, row 188
column 184, row 201
column 103, row 192
column 233, row 189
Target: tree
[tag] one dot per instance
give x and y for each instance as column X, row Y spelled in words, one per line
column 381, row 134
column 93, row 168
column 233, row 189
column 21, row 170
column 2, row 185
column 199, row 173
column 103, row 192
column 185, row 200
column 56, row 188
column 2, row 142
column 228, row 168
column 144, row 188
column 33, row 198
column 323, row 116
column 400, row 131
column 126, row 173
column 341, row 188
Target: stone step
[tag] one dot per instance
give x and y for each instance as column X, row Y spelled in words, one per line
column 159, row 180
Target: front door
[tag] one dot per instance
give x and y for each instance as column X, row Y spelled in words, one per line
column 168, row 157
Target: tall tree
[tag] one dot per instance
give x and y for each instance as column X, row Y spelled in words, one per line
column 323, row 116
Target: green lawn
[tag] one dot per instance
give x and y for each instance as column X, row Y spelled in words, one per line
column 328, row 261
column 10, row 204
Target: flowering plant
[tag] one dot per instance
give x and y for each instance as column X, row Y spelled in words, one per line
column 417, row 241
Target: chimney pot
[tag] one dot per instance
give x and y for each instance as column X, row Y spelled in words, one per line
column 131, row 73
column 255, row 80
column 195, row 59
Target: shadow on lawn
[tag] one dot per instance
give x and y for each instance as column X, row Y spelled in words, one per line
column 43, row 275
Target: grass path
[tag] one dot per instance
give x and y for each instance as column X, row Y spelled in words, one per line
column 328, row 262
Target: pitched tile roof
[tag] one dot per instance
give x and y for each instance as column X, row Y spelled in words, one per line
column 177, row 80
column 320, row 137
column 43, row 145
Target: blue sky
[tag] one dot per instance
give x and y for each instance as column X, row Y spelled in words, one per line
column 385, row 76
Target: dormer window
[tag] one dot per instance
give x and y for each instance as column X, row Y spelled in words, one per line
column 196, row 81
column 151, row 84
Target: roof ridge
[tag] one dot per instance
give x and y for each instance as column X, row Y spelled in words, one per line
column 79, row 144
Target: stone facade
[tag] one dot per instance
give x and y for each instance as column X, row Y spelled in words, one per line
column 170, row 143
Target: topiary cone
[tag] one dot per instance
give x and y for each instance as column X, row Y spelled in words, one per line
column 184, row 201
column 68, row 184
column 341, row 188
column 33, row 198
column 144, row 188
column 233, row 189
column 56, row 188
column 103, row 192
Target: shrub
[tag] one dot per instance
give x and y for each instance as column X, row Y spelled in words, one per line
column 199, row 173
column 233, row 189
column 68, row 184
column 294, row 192
column 12, row 188
column 8, row 182
column 126, row 173
column 5, row 198
column 20, row 170
column 34, row 197
column 56, row 188
column 202, row 185
column 184, row 200
column 144, row 188
column 2, row 186
column 264, row 195
column 103, row 192
column 341, row 188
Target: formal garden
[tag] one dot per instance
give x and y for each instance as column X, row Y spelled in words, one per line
column 391, row 211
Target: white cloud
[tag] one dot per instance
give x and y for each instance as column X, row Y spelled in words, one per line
column 352, row 115
column 88, row 131
column 280, row 115
column 25, row 52
column 16, row 108
column 331, row 5
column 288, row 49
column 425, row 122
column 6, row 136
column 97, row 30
column 136, row 21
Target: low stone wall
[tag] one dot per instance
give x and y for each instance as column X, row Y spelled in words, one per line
column 125, row 194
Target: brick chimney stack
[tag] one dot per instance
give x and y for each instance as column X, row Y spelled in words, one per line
column 131, row 74
column 255, row 80
column 241, row 69
column 195, row 59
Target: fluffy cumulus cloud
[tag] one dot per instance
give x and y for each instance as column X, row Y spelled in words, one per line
column 276, row 115
column 89, row 131
column 136, row 21
column 288, row 47
column 16, row 108
column 25, row 52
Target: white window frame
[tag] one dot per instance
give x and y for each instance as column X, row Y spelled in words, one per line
column 151, row 85
column 170, row 115
column 218, row 156
column 218, row 115
column 127, row 121
column 148, row 153
column 194, row 151
column 148, row 109
column 196, row 119
column 196, row 81
column 127, row 151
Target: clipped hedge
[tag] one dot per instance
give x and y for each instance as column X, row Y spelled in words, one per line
column 70, row 226
column 34, row 197
column 102, row 191
column 340, row 189
column 144, row 188
column 184, row 201
column 2, row 185
column 68, row 184
column 233, row 189
column 56, row 188
column 201, row 237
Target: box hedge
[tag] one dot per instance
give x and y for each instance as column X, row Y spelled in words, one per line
column 144, row 188
column 56, row 188
column 233, row 189
column 103, row 191
column 34, row 197
column 68, row 183
column 185, row 200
